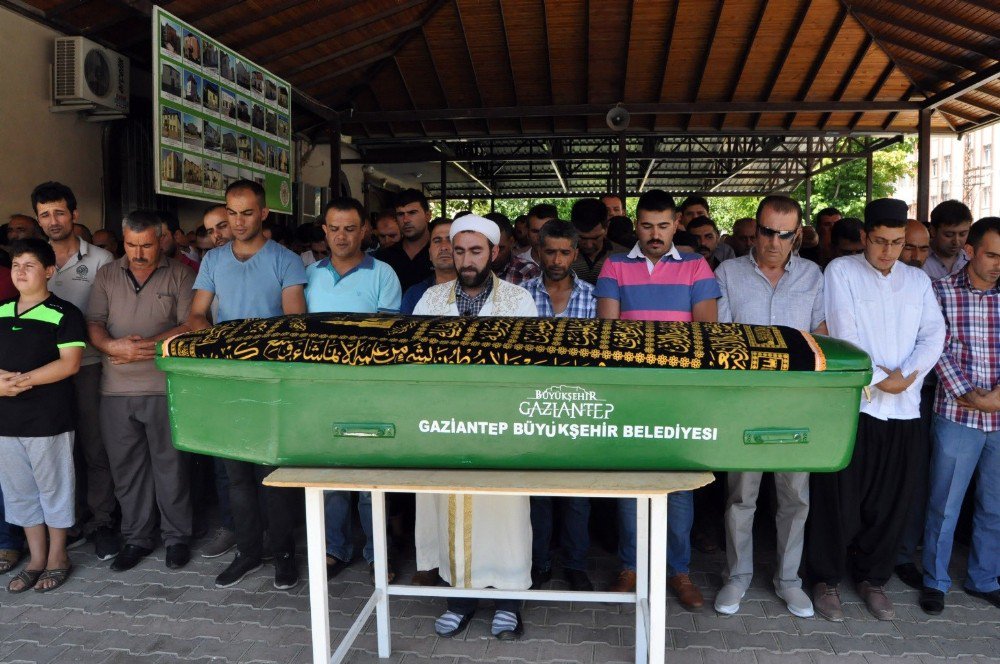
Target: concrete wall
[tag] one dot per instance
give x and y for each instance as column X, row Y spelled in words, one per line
column 39, row 145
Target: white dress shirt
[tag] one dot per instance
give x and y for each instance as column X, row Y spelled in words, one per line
column 895, row 318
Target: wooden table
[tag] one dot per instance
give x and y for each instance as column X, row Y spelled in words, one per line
column 650, row 489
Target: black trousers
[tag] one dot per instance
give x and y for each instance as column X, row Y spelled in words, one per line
column 251, row 503
column 857, row 515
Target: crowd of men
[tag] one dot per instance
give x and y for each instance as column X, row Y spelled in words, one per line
column 86, row 441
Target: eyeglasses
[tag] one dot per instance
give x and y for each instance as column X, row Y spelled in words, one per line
column 781, row 235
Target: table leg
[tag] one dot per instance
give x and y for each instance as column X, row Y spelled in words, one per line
column 641, row 579
column 658, row 579
column 381, row 574
column 319, row 605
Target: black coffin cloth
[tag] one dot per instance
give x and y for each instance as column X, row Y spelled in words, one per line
column 363, row 339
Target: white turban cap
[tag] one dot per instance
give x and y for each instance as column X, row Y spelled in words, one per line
column 473, row 222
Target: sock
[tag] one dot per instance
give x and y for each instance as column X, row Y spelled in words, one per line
column 504, row 621
column 448, row 622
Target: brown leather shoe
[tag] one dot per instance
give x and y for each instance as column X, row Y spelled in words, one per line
column 876, row 601
column 428, row 577
column 826, row 601
column 625, row 583
column 688, row 593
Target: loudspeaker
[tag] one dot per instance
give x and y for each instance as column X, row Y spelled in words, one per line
column 617, row 118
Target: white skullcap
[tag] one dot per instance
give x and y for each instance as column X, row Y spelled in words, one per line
column 473, row 222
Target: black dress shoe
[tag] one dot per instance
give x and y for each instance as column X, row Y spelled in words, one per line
column 539, row 576
column 335, row 566
column 178, row 555
column 931, row 601
column 129, row 557
column 993, row 596
column 910, row 575
column 578, row 580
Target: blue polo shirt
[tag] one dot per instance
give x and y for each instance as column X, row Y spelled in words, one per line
column 371, row 287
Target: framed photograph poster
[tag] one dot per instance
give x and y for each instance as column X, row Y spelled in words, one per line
column 218, row 117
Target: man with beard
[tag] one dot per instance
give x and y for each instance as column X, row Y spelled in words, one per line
column 655, row 281
column 950, row 223
column 887, row 309
column 77, row 263
column 967, row 424
column 216, row 222
column 410, row 257
column 560, row 293
column 349, row 281
column 770, row 286
column 252, row 277
column 743, row 235
column 441, row 259
column 136, row 301
column 917, row 245
column 495, row 531
column 506, row 245
column 21, row 227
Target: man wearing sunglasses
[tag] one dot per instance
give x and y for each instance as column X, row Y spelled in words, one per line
column 889, row 310
column 769, row 286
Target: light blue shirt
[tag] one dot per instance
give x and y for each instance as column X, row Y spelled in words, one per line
column 251, row 288
column 371, row 287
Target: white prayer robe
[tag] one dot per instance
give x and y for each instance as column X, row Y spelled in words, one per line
column 475, row 541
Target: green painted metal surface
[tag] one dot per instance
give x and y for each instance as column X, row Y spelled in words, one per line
column 519, row 417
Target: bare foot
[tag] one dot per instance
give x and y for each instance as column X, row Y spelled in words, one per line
column 17, row 585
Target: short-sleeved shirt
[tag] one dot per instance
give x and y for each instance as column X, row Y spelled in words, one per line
column 748, row 296
column 409, row 270
column 666, row 290
column 368, row 288
column 250, row 288
column 125, row 307
column 73, row 281
column 30, row 340
column 935, row 269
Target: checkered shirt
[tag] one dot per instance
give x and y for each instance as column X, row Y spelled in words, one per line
column 582, row 303
column 471, row 306
column 519, row 270
column 971, row 356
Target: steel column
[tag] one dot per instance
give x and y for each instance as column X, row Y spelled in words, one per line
column 444, row 188
column 924, row 165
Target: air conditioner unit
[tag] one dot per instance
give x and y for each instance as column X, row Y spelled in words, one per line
column 89, row 77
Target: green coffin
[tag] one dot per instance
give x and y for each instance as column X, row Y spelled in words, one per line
column 519, row 417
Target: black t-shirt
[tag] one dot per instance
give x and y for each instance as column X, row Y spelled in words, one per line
column 409, row 270
column 31, row 340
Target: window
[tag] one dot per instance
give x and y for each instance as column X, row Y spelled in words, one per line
column 987, row 155
column 947, row 165
column 945, row 190
column 934, row 167
column 934, row 202
column 986, row 205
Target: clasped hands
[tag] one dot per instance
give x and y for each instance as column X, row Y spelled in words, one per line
column 13, row 383
column 987, row 401
column 895, row 382
column 132, row 348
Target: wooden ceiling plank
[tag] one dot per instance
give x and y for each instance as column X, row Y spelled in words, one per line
column 216, row 8
column 628, row 31
column 719, row 7
column 409, row 95
column 734, row 84
column 920, row 30
column 892, row 116
column 666, row 57
column 342, row 30
column 937, row 10
column 923, row 50
column 510, row 62
column 472, row 64
column 292, row 24
column 873, row 93
column 772, row 79
column 330, row 57
column 828, row 43
column 966, row 85
column 848, row 76
column 64, row 7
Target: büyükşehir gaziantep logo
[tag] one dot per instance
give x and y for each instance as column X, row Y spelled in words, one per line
column 566, row 402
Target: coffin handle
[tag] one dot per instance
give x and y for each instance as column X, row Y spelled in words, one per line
column 363, row 430
column 775, row 436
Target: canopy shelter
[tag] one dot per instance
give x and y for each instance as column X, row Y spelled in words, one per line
column 394, row 72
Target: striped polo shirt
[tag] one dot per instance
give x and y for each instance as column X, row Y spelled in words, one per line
column 666, row 290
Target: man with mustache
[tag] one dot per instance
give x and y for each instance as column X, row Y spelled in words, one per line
column 709, row 246
column 917, row 244
column 410, row 257
column 137, row 300
column 441, row 259
column 495, row 532
column 655, row 281
column 560, row 293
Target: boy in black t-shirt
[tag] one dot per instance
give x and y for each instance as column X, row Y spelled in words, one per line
column 41, row 343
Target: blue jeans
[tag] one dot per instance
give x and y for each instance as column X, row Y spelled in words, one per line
column 958, row 452
column 574, row 535
column 680, row 518
column 11, row 536
column 339, row 530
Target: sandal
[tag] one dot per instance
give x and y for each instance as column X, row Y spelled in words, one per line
column 9, row 558
column 58, row 575
column 28, row 579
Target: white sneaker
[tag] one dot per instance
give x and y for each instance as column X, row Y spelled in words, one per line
column 797, row 601
column 727, row 602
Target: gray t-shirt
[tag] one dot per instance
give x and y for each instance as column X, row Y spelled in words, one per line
column 251, row 288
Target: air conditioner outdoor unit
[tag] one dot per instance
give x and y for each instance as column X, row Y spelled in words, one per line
column 89, row 77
